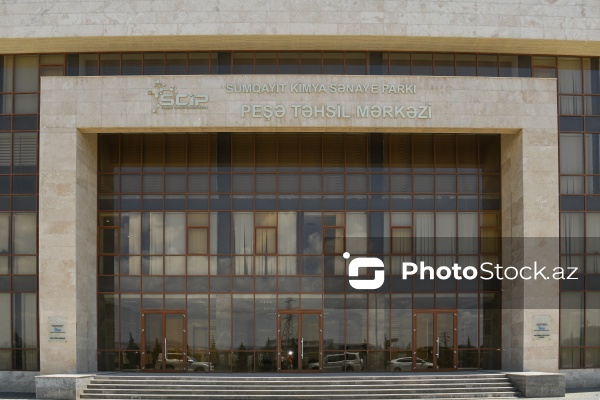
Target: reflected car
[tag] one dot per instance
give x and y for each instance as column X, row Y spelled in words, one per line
column 348, row 362
column 405, row 364
column 175, row 361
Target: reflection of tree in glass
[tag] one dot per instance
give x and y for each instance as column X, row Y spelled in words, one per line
column 155, row 352
column 445, row 338
column 242, row 359
column 134, row 356
column 268, row 359
column 270, row 344
column 286, row 332
column 213, row 352
column 467, row 359
column 18, row 360
column 445, row 356
column 289, row 339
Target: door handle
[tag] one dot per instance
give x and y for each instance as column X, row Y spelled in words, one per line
column 302, row 348
column 165, row 352
column 438, row 347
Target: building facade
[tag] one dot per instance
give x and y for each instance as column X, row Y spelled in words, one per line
column 180, row 181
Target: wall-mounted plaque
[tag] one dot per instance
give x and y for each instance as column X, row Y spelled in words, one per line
column 57, row 329
column 541, row 327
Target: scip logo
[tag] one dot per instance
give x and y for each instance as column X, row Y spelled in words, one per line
column 170, row 98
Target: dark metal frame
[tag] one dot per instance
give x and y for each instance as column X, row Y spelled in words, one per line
column 231, row 171
column 435, row 313
column 143, row 354
column 300, row 314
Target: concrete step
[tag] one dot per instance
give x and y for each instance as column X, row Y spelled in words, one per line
column 208, row 385
column 322, row 386
column 298, row 389
column 466, row 395
column 307, row 377
column 319, row 377
column 208, row 378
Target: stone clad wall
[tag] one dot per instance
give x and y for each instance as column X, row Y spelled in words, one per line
column 534, row 19
column 457, row 104
column 547, row 26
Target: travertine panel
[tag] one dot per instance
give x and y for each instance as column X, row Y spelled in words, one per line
column 488, row 105
column 67, row 234
column 73, row 110
column 529, row 191
column 515, row 26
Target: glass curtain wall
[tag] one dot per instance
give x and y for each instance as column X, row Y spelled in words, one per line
column 298, row 62
column 232, row 228
column 19, row 109
column 579, row 125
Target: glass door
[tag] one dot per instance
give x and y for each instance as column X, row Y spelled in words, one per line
column 163, row 341
column 445, row 340
column 434, row 336
column 299, row 339
column 424, row 342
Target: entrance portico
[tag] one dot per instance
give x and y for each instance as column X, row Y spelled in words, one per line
column 75, row 110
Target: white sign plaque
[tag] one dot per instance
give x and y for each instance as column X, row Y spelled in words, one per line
column 541, row 327
column 57, row 329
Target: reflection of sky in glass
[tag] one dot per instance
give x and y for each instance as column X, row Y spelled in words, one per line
column 197, row 320
column 130, row 233
column 265, row 322
column 130, row 317
column 175, row 233
column 24, row 233
column 220, row 329
column 4, row 233
column 311, row 233
column 243, row 321
column 379, row 306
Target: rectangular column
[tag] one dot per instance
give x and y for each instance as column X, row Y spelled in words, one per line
column 67, row 240
column 530, row 230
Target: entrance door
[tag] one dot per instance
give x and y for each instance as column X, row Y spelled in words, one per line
column 299, row 339
column 434, row 338
column 164, row 341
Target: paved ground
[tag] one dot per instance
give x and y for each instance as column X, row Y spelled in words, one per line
column 6, row 395
column 581, row 394
column 572, row 394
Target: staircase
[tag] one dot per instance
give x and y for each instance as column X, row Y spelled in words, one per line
column 315, row 386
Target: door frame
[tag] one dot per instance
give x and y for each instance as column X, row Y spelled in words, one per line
column 163, row 313
column 299, row 313
column 435, row 313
